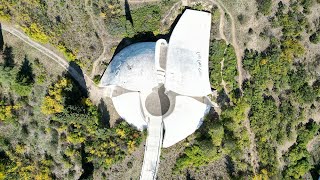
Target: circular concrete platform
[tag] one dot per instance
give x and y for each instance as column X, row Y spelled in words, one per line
column 157, row 103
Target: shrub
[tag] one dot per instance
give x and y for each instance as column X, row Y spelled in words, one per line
column 315, row 37
column 36, row 32
column 264, row 6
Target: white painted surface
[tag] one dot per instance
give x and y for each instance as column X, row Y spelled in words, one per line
column 128, row 106
column 133, row 68
column 188, row 53
column 141, row 68
column 152, row 149
column 185, row 119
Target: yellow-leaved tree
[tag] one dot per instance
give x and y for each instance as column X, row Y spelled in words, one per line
column 53, row 102
column 6, row 111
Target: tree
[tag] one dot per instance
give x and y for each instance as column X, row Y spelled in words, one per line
column 25, row 74
column 315, row 37
column 264, row 6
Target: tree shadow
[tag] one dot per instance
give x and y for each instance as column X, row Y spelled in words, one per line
column 25, row 74
column 76, row 69
column 8, row 57
column 188, row 176
column 146, row 36
column 128, row 13
column 1, row 38
column 223, row 99
column 87, row 167
column 230, row 167
column 73, row 95
column 104, row 115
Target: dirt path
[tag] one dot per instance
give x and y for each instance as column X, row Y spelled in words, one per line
column 104, row 36
column 95, row 93
column 223, row 83
column 221, row 26
column 221, row 32
column 235, row 45
column 164, row 19
column 281, row 149
column 253, row 147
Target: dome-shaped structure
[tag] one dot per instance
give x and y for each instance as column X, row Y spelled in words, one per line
column 164, row 86
column 133, row 68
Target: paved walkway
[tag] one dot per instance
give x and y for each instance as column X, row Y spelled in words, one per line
column 152, row 149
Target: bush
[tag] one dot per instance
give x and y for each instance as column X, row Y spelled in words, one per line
column 144, row 19
column 315, row 37
column 36, row 32
column 264, row 6
column 96, row 79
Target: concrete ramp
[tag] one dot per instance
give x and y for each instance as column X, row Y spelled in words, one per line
column 152, row 149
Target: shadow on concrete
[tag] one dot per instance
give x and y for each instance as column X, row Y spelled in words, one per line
column 157, row 103
column 1, row 39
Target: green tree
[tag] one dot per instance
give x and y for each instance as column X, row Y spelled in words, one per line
column 25, row 74
column 264, row 6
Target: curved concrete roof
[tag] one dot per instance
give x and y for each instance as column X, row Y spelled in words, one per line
column 164, row 85
column 133, row 68
column 188, row 53
column 128, row 105
column 184, row 120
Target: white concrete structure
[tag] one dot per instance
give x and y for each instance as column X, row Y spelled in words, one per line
column 188, row 53
column 185, row 119
column 163, row 86
column 133, row 68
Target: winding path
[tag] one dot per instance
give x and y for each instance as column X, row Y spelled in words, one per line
column 95, row 93
column 253, row 147
column 103, row 35
column 234, row 43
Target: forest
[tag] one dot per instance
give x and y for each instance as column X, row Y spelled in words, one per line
column 266, row 129
column 60, row 129
column 279, row 100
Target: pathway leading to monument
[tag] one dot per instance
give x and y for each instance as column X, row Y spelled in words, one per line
column 152, row 149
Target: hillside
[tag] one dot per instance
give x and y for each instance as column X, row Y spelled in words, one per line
column 264, row 63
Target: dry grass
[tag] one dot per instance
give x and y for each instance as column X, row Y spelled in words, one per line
column 21, row 49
